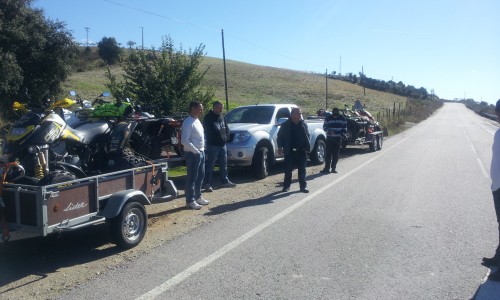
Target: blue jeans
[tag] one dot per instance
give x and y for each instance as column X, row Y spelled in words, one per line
column 195, row 169
column 215, row 153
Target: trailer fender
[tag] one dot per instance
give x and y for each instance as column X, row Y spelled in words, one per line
column 118, row 200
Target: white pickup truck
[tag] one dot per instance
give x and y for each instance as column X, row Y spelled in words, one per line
column 254, row 133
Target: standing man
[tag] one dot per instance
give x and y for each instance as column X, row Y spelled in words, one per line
column 216, row 134
column 293, row 142
column 495, row 187
column 193, row 141
column 335, row 126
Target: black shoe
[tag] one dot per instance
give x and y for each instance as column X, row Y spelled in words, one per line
column 304, row 190
column 334, row 171
column 326, row 171
column 491, row 262
column 285, row 189
column 494, row 276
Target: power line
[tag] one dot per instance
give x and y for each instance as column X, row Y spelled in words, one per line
column 209, row 28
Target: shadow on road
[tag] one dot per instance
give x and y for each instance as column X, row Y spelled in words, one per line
column 34, row 259
column 489, row 290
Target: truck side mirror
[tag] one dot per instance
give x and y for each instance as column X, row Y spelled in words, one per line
column 280, row 121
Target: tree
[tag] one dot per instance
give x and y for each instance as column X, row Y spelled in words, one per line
column 131, row 44
column 34, row 54
column 109, row 50
column 163, row 81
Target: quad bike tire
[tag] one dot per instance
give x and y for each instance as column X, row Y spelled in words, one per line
column 149, row 146
column 126, row 159
column 57, row 176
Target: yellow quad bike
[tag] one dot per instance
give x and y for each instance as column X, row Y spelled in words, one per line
column 41, row 148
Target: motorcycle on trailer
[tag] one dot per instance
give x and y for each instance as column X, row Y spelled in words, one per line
column 41, row 148
column 153, row 135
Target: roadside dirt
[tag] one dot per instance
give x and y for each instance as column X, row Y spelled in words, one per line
column 43, row 268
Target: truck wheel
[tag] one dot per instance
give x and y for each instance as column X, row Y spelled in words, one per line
column 318, row 152
column 380, row 139
column 129, row 227
column 57, row 176
column 373, row 144
column 260, row 163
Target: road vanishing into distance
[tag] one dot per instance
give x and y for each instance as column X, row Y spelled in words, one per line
column 411, row 221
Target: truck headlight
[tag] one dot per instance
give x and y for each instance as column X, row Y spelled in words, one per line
column 241, row 137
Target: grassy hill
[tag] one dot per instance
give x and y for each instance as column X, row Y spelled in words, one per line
column 251, row 84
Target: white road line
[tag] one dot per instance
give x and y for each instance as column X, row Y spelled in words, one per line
column 165, row 286
column 483, row 169
column 488, row 130
column 479, row 162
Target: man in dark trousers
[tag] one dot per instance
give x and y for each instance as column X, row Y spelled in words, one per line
column 293, row 142
column 495, row 188
column 335, row 126
column 216, row 135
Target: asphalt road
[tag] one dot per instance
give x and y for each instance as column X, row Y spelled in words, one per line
column 411, row 221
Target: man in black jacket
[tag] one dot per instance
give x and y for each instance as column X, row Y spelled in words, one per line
column 293, row 142
column 216, row 135
column 335, row 126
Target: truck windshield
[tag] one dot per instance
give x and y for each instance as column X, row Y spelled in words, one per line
column 251, row 114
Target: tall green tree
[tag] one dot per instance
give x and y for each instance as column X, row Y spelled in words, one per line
column 34, row 54
column 109, row 50
column 164, row 81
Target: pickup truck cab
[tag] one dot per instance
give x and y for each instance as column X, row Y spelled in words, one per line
column 254, row 133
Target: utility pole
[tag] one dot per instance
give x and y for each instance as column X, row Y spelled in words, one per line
column 363, row 80
column 87, row 29
column 142, row 36
column 225, row 74
column 326, row 91
column 340, row 66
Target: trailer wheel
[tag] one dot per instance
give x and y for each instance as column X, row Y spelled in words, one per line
column 129, row 227
column 380, row 139
column 260, row 163
column 374, row 144
column 318, row 152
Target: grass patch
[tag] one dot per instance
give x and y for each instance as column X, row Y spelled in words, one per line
column 177, row 171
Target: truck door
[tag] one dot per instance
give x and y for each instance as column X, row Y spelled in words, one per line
column 283, row 112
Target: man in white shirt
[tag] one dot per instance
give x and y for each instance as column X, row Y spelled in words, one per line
column 193, row 140
column 495, row 188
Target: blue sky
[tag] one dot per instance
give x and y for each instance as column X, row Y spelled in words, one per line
column 449, row 46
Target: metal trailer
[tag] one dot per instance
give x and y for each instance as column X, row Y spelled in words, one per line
column 118, row 198
column 374, row 140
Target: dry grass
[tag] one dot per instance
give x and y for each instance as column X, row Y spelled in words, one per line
column 250, row 84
